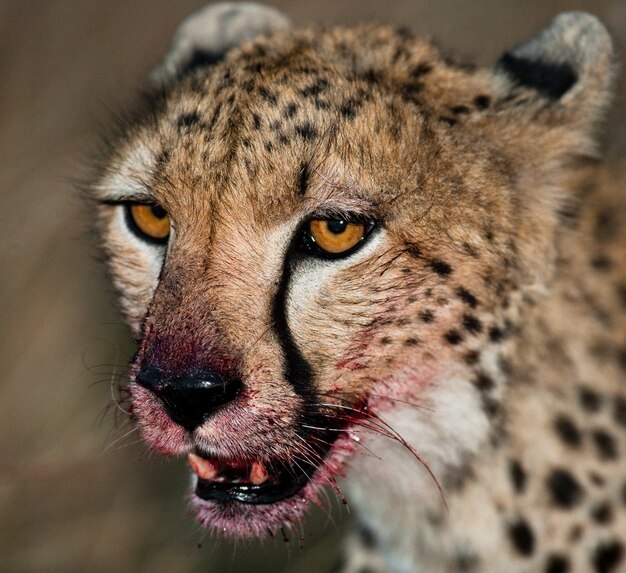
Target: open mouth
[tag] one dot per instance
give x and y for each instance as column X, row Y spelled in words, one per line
column 251, row 483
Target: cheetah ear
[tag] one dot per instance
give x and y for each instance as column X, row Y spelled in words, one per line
column 570, row 65
column 205, row 36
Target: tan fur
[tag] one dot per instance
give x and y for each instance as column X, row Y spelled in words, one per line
column 499, row 266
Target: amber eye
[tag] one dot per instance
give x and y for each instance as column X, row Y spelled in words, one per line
column 334, row 237
column 149, row 221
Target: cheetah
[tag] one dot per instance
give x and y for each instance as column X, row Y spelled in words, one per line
column 352, row 263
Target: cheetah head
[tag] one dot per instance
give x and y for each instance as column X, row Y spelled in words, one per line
column 322, row 241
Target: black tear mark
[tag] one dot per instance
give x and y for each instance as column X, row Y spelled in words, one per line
column 550, row 79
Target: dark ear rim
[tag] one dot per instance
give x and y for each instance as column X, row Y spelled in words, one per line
column 574, row 50
column 553, row 80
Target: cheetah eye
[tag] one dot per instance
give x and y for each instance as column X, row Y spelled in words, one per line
column 334, row 238
column 148, row 221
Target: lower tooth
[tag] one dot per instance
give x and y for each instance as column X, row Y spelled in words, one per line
column 258, row 473
column 204, row 469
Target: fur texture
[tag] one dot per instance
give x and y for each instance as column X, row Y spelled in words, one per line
column 471, row 355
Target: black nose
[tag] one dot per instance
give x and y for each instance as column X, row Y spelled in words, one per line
column 190, row 400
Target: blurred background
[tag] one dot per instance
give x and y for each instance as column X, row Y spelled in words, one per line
column 76, row 494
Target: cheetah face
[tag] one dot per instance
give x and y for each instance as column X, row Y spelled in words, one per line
column 314, row 240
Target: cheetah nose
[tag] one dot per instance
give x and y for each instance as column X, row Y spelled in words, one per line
column 190, row 400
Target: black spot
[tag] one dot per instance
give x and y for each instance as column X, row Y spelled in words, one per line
column 619, row 413
column 306, row 131
column 268, row 95
column 518, row 476
column 410, row 92
column 590, row 400
column 385, row 340
column 316, row 88
column 472, row 357
column 448, row 120
column 367, row 536
column 605, row 444
column 411, row 342
column 602, row 513
column 467, row 297
column 482, row 101
column 568, row 431
column 269, row 147
column 522, row 537
column 607, row 557
column 442, row 268
column 459, row 109
column 321, row 104
column 290, row 110
column 453, row 337
column 565, row 490
column 624, row 493
column 496, row 334
column 427, row 315
column 472, row 324
column 484, row 383
column 466, row 563
column 256, row 121
column 596, row 479
column 557, row 564
column 551, row 79
column 601, row 263
column 421, row 69
column 303, row 178
column 187, row 120
column 349, row 107
column 607, row 225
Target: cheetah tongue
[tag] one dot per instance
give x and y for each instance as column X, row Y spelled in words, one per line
column 204, row 469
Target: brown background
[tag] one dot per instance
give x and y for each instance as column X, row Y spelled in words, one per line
column 75, row 495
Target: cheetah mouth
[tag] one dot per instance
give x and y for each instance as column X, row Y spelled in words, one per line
column 253, row 483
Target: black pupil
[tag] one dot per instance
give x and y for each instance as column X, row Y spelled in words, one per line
column 158, row 211
column 336, row 226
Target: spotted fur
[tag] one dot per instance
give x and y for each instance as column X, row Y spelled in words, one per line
column 473, row 350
